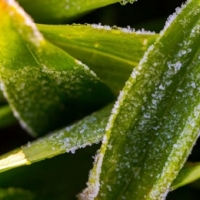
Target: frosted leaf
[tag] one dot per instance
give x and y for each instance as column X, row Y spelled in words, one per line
column 155, row 115
column 42, row 78
column 68, row 139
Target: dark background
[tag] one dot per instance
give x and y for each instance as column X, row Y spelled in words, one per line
column 147, row 14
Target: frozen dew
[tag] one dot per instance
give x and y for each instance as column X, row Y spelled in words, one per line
column 109, row 188
column 99, row 26
column 1, row 86
column 127, row 30
column 78, row 62
column 124, row 2
column 161, row 87
column 53, row 148
column 73, row 151
column 174, row 66
column 82, row 131
column 29, row 144
column 171, row 18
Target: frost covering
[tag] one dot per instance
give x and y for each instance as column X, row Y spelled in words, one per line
column 39, row 78
column 155, row 121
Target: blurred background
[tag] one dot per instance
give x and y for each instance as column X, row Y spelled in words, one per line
column 64, row 176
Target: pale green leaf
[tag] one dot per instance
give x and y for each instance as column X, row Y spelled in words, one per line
column 42, row 83
column 156, row 120
column 6, row 116
column 88, row 131
column 110, row 53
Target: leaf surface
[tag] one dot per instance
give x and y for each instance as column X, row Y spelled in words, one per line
column 112, row 53
column 52, row 11
column 155, row 122
column 86, row 132
column 42, row 83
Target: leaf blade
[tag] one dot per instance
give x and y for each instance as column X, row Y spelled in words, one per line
column 86, row 132
column 149, row 134
column 41, row 78
column 113, row 53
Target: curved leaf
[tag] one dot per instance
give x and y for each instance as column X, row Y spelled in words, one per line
column 155, row 121
column 88, row 131
column 52, row 11
column 112, row 52
column 41, row 81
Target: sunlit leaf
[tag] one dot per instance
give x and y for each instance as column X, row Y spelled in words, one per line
column 88, row 131
column 156, row 120
column 52, row 11
column 45, row 87
column 112, row 53
column 2, row 99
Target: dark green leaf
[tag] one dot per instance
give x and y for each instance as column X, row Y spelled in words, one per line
column 156, row 120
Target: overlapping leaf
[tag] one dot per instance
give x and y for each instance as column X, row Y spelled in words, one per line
column 112, row 52
column 155, row 121
column 88, row 131
column 121, row 48
column 189, row 173
column 41, row 81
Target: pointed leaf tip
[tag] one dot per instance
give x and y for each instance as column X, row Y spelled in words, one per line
column 40, row 80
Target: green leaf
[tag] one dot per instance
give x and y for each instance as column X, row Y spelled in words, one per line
column 58, row 178
column 53, row 11
column 88, row 131
column 113, row 52
column 155, row 121
column 189, row 173
column 15, row 194
column 6, row 116
column 45, row 87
